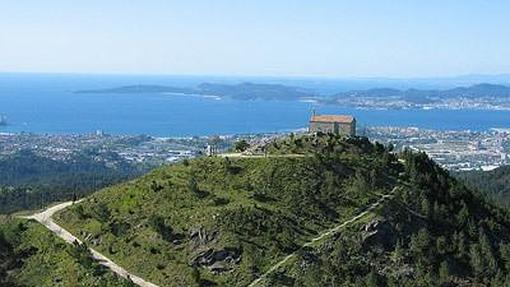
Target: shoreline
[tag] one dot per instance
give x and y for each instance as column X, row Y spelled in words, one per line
column 248, row 134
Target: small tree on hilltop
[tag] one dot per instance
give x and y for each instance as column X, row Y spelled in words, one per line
column 241, row 146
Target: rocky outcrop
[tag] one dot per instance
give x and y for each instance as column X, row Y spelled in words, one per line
column 218, row 261
column 200, row 237
column 378, row 233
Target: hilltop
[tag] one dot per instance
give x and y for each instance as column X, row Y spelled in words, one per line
column 228, row 221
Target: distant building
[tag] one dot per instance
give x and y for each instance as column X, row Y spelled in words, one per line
column 208, row 150
column 336, row 124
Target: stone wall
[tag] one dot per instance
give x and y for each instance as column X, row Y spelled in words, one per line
column 322, row 127
column 338, row 128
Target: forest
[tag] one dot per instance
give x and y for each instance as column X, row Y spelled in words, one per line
column 31, row 181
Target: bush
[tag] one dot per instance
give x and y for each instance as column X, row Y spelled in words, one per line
column 241, row 146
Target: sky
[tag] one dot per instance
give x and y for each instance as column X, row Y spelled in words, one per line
column 323, row 38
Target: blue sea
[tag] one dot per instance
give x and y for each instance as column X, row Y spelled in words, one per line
column 47, row 104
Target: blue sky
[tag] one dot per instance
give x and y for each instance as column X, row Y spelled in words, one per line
column 258, row 37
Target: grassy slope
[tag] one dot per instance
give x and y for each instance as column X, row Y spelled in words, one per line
column 32, row 256
column 262, row 208
column 436, row 233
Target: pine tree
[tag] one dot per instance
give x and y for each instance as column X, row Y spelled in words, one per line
column 444, row 272
column 476, row 261
column 491, row 265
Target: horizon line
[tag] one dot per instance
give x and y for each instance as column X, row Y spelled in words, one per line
column 274, row 77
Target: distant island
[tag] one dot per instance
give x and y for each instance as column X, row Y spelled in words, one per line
column 481, row 96
column 243, row 91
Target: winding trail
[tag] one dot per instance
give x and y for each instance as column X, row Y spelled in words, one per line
column 243, row 155
column 324, row 235
column 45, row 218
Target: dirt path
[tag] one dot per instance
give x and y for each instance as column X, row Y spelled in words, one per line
column 45, row 219
column 242, row 155
column 324, row 235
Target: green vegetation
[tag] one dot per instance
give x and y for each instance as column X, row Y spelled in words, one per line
column 494, row 183
column 225, row 222
column 29, row 181
column 241, row 146
column 434, row 232
column 30, row 256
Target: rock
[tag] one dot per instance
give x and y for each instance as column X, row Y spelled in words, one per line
column 217, row 261
column 203, row 258
column 219, row 267
column 199, row 236
column 308, row 256
column 96, row 241
column 378, row 233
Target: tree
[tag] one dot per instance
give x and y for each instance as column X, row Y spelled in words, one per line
column 476, row 260
column 444, row 272
column 372, row 280
column 420, row 244
column 490, row 263
column 397, row 256
column 459, row 244
column 504, row 250
column 241, row 146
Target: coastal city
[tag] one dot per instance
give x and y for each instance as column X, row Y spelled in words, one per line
column 454, row 150
column 136, row 149
column 398, row 102
column 477, row 97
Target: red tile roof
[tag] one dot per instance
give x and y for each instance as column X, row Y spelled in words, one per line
column 332, row 119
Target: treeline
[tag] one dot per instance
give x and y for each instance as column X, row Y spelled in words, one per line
column 29, row 181
column 495, row 183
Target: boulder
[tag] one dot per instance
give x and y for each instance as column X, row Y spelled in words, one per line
column 378, row 233
column 217, row 261
column 199, row 236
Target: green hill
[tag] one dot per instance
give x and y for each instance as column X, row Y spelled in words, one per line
column 31, row 256
column 227, row 221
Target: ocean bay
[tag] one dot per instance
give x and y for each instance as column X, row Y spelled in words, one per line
column 48, row 104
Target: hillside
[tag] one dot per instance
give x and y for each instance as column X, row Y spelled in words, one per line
column 495, row 183
column 228, row 221
column 29, row 181
column 31, row 256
